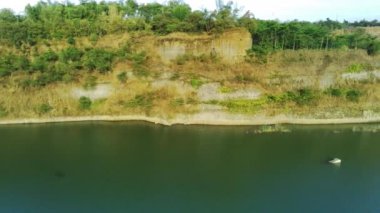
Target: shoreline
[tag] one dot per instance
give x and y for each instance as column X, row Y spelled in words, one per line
column 219, row 121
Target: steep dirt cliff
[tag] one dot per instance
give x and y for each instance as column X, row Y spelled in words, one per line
column 230, row 46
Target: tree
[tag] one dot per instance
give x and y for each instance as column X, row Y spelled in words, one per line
column 150, row 10
column 131, row 7
column 7, row 15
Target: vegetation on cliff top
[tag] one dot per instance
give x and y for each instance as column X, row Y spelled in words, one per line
column 53, row 20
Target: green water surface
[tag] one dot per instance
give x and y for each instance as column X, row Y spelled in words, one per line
column 139, row 167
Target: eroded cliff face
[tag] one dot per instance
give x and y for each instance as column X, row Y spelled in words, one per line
column 230, row 46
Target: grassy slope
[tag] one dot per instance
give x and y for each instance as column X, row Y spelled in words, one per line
column 285, row 71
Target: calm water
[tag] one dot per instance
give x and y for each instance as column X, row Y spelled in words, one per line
column 138, row 167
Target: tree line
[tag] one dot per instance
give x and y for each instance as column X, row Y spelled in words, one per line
column 271, row 35
column 53, row 20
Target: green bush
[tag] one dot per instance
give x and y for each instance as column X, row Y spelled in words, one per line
column 122, row 77
column 39, row 64
column 335, row 92
column 125, row 50
column 22, row 63
column 50, row 56
column 353, row 95
column 10, row 63
column 94, row 38
column 71, row 54
column 136, row 24
column 139, row 58
column 301, row 97
column 373, row 48
column 71, row 40
column 305, row 96
column 6, row 65
column 98, row 59
column 258, row 54
column 85, row 103
column 44, row 108
column 44, row 79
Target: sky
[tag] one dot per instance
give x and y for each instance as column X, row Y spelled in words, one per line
column 284, row 10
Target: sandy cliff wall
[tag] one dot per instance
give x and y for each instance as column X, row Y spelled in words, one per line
column 231, row 45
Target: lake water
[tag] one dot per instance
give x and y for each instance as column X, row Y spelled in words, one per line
column 140, row 167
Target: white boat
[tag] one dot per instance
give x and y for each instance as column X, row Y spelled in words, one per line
column 335, row 161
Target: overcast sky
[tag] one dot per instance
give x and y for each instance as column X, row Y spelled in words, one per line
column 284, row 10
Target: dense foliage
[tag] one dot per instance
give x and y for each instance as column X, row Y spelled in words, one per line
column 48, row 20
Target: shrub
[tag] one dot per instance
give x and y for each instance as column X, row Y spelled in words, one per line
column 44, row 108
column 301, row 97
column 305, row 96
column 98, row 59
column 353, row 95
column 94, row 38
column 122, row 77
column 50, row 56
column 44, row 79
column 22, row 63
column 71, row 54
column 6, row 65
column 335, row 92
column 136, row 24
column 68, row 77
column 10, row 63
column 71, row 40
column 125, row 50
column 39, row 64
column 258, row 54
column 373, row 48
column 138, row 58
column 85, row 103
